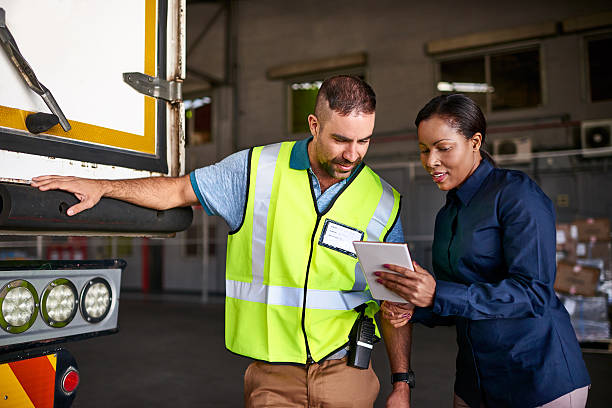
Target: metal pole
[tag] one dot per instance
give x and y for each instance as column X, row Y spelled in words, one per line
column 205, row 258
column 39, row 247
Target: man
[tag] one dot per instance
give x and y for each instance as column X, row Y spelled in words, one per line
column 292, row 279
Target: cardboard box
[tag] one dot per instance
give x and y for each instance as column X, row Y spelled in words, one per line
column 568, row 252
column 575, row 279
column 595, row 250
column 593, row 229
column 567, row 236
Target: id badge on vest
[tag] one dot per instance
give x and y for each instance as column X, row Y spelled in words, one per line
column 340, row 237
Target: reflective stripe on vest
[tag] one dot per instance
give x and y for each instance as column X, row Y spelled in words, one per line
column 263, row 192
column 285, row 296
column 383, row 211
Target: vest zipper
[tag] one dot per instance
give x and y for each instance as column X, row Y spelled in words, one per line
column 312, row 240
column 353, row 176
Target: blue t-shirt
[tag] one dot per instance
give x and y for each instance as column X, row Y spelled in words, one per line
column 221, row 187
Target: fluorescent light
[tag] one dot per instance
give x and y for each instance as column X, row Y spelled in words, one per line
column 306, row 86
column 196, row 103
column 467, row 87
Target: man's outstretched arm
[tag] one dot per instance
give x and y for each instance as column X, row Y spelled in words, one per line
column 160, row 193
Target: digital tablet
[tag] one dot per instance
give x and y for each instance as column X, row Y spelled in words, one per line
column 372, row 256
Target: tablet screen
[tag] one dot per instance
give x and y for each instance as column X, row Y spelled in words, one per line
column 373, row 255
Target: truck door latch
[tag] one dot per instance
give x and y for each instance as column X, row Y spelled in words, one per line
column 171, row 91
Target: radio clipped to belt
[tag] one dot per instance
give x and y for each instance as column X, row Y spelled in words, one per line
column 361, row 340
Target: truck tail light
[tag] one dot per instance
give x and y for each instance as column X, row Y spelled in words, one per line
column 96, row 300
column 19, row 306
column 59, row 303
column 47, row 377
column 70, row 380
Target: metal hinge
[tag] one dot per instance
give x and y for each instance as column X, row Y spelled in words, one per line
column 171, row 91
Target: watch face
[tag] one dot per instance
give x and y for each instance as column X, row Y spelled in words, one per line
column 411, row 381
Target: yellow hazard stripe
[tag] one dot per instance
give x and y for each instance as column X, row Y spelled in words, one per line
column 15, row 119
column 12, row 394
column 149, row 69
column 84, row 132
column 53, row 360
column 150, row 40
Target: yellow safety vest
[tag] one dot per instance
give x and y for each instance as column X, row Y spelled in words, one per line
column 290, row 290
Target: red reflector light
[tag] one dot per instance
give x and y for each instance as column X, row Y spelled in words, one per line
column 70, row 381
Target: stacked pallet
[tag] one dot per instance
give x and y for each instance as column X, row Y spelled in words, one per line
column 584, row 278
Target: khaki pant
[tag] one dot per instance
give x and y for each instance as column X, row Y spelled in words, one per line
column 574, row 399
column 330, row 384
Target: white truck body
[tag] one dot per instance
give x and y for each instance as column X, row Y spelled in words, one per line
column 79, row 50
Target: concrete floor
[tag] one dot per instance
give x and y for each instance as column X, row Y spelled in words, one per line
column 170, row 352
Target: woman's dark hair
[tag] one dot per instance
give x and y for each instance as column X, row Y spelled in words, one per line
column 461, row 113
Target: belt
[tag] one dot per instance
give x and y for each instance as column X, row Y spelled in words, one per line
column 338, row 354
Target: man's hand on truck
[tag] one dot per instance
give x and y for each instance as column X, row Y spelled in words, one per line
column 159, row 193
column 88, row 191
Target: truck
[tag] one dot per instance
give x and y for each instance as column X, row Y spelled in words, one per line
column 89, row 89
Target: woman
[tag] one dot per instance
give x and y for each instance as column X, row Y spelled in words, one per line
column 494, row 268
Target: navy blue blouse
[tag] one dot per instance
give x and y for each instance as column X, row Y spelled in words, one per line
column 494, row 263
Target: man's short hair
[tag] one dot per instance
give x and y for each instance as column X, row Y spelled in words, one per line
column 345, row 94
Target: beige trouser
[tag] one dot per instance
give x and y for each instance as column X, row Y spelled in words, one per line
column 574, row 399
column 330, row 384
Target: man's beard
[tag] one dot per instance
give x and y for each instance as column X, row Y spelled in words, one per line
column 329, row 168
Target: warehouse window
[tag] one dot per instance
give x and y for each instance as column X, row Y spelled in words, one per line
column 302, row 96
column 600, row 63
column 465, row 76
column 198, row 121
column 515, row 78
column 495, row 81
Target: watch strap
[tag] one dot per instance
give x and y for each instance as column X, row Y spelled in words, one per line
column 407, row 377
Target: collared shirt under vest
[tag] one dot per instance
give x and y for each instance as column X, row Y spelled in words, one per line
column 290, row 294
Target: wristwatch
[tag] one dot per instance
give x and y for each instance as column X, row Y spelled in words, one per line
column 408, row 378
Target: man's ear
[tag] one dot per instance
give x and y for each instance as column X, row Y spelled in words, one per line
column 476, row 141
column 314, row 125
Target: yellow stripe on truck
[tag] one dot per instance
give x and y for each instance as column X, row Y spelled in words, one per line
column 149, row 69
column 84, row 132
column 53, row 360
column 12, row 394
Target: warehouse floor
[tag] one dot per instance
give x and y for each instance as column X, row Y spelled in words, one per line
column 170, row 352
